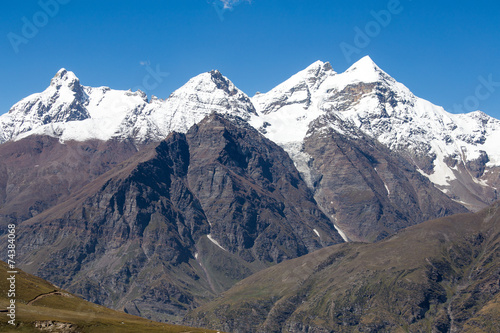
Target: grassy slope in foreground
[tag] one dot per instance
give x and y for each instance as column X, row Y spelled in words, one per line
column 439, row 276
column 73, row 313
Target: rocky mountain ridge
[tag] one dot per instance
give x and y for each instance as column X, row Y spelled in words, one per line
column 72, row 112
column 456, row 152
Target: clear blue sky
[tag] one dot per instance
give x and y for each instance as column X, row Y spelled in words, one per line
column 439, row 49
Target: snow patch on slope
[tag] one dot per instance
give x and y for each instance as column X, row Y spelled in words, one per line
column 341, row 233
column 215, row 242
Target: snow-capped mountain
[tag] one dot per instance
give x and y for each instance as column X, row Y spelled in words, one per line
column 457, row 152
column 70, row 111
column 211, row 205
column 200, row 96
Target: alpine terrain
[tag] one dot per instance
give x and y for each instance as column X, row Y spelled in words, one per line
column 157, row 206
column 439, row 276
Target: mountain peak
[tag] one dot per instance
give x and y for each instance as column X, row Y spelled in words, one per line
column 364, row 70
column 221, row 81
column 215, row 73
column 312, row 76
column 365, row 65
column 215, row 86
column 66, row 78
column 317, row 69
column 208, row 78
column 319, row 65
column 200, row 96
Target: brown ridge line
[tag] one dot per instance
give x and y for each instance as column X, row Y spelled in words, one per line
column 55, row 292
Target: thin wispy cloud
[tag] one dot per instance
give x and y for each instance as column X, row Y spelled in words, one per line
column 229, row 4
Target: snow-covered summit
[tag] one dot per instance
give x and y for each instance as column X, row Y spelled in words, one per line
column 63, row 101
column 297, row 89
column 205, row 93
column 373, row 101
column 365, row 70
column 214, row 92
column 450, row 149
column 70, row 111
column 64, row 77
column 455, row 151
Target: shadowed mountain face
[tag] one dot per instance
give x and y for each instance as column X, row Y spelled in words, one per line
column 439, row 276
column 174, row 225
column 178, row 223
column 39, row 172
column 239, row 176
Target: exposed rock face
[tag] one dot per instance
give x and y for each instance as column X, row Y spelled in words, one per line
column 440, row 276
column 477, row 166
column 173, row 226
column 54, row 326
column 227, row 160
column 368, row 190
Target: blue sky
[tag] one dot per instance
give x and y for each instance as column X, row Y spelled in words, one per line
column 445, row 51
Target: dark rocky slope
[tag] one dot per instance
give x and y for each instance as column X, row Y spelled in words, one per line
column 176, row 224
column 439, row 276
column 173, row 226
column 369, row 191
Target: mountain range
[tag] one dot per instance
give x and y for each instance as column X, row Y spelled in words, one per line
column 155, row 207
column 455, row 151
